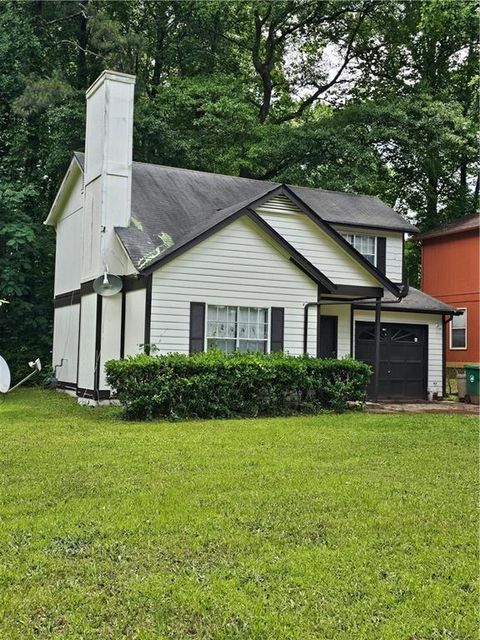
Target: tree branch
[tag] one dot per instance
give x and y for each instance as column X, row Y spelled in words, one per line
column 316, row 94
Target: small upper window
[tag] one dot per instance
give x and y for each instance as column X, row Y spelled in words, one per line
column 458, row 331
column 366, row 245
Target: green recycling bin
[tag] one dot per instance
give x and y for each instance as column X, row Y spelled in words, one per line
column 473, row 382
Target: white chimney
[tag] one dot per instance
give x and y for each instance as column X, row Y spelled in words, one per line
column 108, row 172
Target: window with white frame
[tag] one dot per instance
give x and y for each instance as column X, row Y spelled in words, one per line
column 243, row 329
column 366, row 245
column 458, row 331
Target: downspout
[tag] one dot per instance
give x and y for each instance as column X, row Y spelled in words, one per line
column 317, row 304
column 445, row 321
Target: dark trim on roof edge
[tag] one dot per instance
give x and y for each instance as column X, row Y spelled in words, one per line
column 190, row 243
column 392, row 307
column 451, row 229
column 333, row 233
column 375, row 227
column 295, row 256
column 208, row 231
column 359, row 291
column 284, row 190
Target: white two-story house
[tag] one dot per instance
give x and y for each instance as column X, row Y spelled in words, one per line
column 214, row 261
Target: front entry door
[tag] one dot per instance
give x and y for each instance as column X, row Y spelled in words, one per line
column 327, row 337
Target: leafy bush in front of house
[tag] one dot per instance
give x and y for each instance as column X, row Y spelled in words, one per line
column 215, row 385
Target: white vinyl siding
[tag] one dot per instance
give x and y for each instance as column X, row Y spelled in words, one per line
column 434, row 323
column 111, row 329
column 68, row 243
column 315, row 245
column 86, row 364
column 238, row 266
column 134, row 321
column 65, row 343
column 394, row 249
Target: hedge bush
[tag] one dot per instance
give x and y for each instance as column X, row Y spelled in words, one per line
column 215, row 385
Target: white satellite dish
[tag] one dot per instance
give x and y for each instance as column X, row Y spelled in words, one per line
column 4, row 376
column 5, row 379
column 107, row 285
column 35, row 364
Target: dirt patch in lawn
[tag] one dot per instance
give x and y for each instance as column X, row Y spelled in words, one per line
column 445, row 406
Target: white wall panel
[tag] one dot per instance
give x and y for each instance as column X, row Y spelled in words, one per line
column 236, row 266
column 111, row 333
column 65, row 343
column 134, row 321
column 88, row 317
column 69, row 243
column 309, row 239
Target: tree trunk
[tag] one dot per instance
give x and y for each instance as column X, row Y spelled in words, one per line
column 432, row 202
column 82, row 73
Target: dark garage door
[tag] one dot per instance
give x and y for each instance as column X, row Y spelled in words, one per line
column 403, row 358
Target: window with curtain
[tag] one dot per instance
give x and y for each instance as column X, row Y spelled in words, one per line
column 366, row 245
column 458, row 331
column 243, row 329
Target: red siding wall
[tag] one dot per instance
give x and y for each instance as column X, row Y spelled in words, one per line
column 451, row 272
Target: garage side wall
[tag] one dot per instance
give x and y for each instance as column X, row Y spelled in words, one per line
column 435, row 352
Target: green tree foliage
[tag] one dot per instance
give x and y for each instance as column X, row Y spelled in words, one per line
column 356, row 95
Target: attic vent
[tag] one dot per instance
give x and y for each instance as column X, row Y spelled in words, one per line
column 279, row 204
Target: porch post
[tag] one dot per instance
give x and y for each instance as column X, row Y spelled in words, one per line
column 376, row 374
column 305, row 329
column 319, row 311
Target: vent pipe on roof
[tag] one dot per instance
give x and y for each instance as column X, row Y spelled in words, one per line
column 108, row 172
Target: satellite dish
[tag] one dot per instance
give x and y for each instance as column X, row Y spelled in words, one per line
column 4, row 376
column 107, row 285
column 35, row 364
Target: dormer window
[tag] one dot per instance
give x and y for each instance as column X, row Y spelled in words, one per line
column 366, row 245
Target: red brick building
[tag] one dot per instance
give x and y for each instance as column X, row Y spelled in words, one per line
column 451, row 272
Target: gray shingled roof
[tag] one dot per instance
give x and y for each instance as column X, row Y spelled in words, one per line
column 416, row 300
column 170, row 206
column 466, row 223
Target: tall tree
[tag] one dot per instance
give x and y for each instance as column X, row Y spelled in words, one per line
column 357, row 95
column 419, row 69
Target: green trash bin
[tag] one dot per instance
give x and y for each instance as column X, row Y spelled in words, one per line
column 473, row 383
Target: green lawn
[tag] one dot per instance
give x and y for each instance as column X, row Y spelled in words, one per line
column 342, row 527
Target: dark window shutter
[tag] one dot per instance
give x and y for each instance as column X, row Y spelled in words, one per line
column 381, row 254
column 276, row 328
column 197, row 327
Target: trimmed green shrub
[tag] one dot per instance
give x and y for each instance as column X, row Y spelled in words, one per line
column 215, row 385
